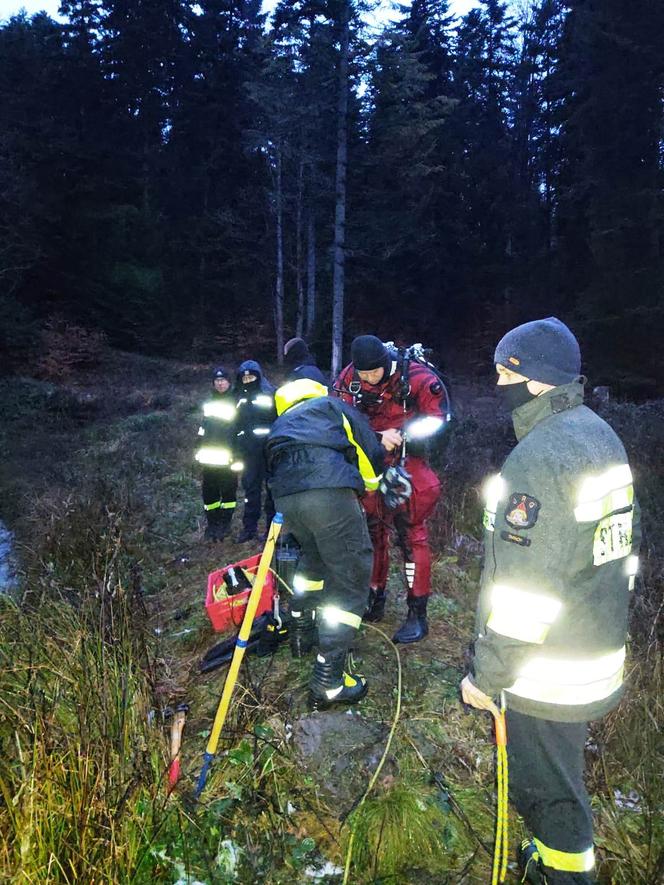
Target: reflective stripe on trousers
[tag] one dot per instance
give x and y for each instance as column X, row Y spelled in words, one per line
column 566, row 861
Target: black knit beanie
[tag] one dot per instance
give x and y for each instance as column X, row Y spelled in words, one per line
column 542, row 350
column 296, row 352
column 220, row 372
column 368, row 352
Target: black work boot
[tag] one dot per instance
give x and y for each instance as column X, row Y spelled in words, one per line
column 376, row 606
column 332, row 684
column 415, row 627
column 530, row 863
column 247, row 534
column 302, row 632
column 215, row 530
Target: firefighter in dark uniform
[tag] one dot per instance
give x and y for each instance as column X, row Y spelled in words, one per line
column 414, row 418
column 322, row 456
column 220, row 466
column 255, row 414
column 561, row 536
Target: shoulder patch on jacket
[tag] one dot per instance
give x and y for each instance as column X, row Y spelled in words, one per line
column 522, row 511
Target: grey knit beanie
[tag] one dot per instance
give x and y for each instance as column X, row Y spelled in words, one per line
column 542, row 350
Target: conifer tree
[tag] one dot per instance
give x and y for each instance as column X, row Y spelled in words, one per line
column 609, row 185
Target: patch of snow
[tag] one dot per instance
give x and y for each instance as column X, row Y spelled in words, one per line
column 322, row 872
column 627, row 801
column 228, row 857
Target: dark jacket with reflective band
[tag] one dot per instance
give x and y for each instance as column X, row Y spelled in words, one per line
column 319, row 442
column 552, row 613
column 217, row 429
column 255, row 407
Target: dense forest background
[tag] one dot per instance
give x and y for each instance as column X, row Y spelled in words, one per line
column 188, row 177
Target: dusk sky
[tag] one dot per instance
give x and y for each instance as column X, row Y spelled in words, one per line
column 11, row 7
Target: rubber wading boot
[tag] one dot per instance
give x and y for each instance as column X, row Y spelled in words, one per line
column 530, row 863
column 332, row 683
column 376, row 606
column 415, row 626
column 302, row 632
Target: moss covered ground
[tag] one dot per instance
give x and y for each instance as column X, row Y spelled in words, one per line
column 98, row 485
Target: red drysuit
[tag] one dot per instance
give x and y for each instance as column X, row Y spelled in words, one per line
column 382, row 403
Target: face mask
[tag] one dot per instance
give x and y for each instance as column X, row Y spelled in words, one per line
column 514, row 395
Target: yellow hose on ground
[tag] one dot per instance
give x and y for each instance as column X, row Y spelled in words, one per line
column 501, row 847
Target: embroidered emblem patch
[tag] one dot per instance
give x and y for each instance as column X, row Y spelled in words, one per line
column 521, row 540
column 522, row 511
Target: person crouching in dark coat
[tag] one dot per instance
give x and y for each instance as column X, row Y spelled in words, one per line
column 322, row 456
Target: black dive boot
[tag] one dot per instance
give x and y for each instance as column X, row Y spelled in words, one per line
column 302, row 632
column 415, row 626
column 376, row 606
column 331, row 683
column 530, row 863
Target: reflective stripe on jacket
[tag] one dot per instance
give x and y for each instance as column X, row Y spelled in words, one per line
column 561, row 533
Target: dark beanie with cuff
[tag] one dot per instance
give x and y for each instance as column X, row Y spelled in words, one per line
column 220, row 372
column 296, row 352
column 542, row 350
column 368, row 352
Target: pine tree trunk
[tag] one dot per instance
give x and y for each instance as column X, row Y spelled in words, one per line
column 299, row 274
column 279, row 283
column 311, row 274
column 340, row 195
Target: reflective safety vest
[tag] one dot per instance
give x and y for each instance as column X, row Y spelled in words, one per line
column 217, row 432
column 561, row 536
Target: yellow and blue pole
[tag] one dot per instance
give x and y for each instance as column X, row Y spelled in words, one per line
column 240, row 648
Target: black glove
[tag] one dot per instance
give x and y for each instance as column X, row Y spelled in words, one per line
column 395, row 487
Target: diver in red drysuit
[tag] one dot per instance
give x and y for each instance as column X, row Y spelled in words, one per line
column 373, row 383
